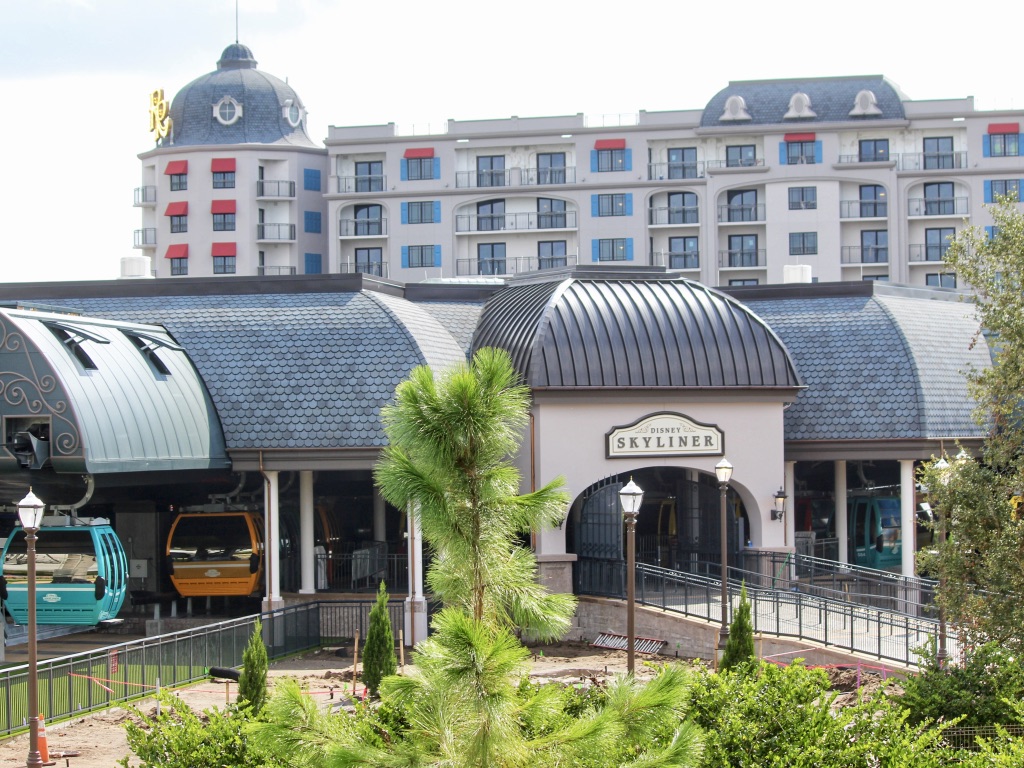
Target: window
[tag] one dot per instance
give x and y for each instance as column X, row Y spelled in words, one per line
column 311, row 179
column 223, row 265
column 421, row 256
column 369, row 176
column 311, row 221
column 224, row 180
column 223, row 222
column 742, row 205
column 179, row 223
column 936, row 242
column 611, row 205
column 873, row 150
column 551, row 254
column 370, row 261
column 743, row 281
column 179, row 182
column 1004, row 144
column 227, row 111
column 740, row 156
column 682, row 163
column 938, row 153
column 490, row 258
column 874, row 246
column 803, row 198
column 872, row 201
column 940, row 280
column 1004, row 188
column 490, row 216
column 803, row 243
column 179, row 266
column 490, row 171
column 611, row 160
column 612, row 250
column 418, row 168
column 551, row 168
column 682, row 208
column 422, row 212
column 938, row 199
column 743, row 251
column 368, row 220
column 800, row 152
column 550, row 213
column 683, row 253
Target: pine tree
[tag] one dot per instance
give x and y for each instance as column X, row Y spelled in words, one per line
column 379, row 652
column 739, row 648
column 252, row 683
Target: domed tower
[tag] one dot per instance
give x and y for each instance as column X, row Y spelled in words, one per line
column 235, row 184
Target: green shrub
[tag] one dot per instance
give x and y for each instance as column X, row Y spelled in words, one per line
column 252, row 683
column 739, row 647
column 379, row 652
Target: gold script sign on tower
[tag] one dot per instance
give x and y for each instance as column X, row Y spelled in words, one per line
column 160, row 123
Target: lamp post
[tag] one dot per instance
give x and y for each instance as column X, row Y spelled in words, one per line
column 941, row 654
column 631, row 497
column 723, row 471
column 30, row 512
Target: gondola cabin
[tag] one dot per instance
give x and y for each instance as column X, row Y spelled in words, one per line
column 216, row 553
column 876, row 538
column 81, row 572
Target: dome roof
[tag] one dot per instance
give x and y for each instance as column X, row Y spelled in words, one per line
column 238, row 104
column 633, row 333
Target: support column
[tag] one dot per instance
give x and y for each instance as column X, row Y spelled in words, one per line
column 908, row 519
column 841, row 512
column 307, row 543
column 379, row 528
column 271, row 541
column 789, row 521
column 415, row 604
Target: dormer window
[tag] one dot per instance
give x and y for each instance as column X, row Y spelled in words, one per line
column 865, row 104
column 293, row 113
column 735, row 109
column 147, row 345
column 72, row 336
column 799, row 107
column 227, row 111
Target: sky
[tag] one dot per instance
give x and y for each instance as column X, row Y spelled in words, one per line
column 75, row 77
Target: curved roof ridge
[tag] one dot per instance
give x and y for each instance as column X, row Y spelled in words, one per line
column 908, row 348
column 542, row 326
column 435, row 345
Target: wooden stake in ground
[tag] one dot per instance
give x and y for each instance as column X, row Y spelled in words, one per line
column 355, row 663
column 401, row 647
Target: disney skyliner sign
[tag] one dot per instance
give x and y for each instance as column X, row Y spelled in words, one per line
column 665, row 434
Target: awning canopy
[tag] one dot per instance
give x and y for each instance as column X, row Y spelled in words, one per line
column 176, row 167
column 223, row 165
column 222, row 206
column 179, row 208
column 610, row 144
column 225, row 249
column 177, row 251
column 420, row 152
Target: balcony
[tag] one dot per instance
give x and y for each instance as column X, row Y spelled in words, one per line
column 937, row 206
column 358, row 184
column 756, row 163
column 512, row 265
column 674, row 171
column 145, row 197
column 741, row 213
column 674, row 216
column 145, row 238
column 859, row 160
column 474, row 179
column 505, row 222
column 363, row 227
column 869, row 254
column 863, row 209
column 742, row 259
column 932, row 161
column 265, row 271
column 275, row 232
column 919, row 252
column 375, row 268
column 275, row 189
column 546, row 176
column 676, row 260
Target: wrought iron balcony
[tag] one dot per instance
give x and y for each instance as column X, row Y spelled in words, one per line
column 357, row 184
column 273, row 188
column 742, row 258
column 280, row 232
column 371, row 267
column 863, row 209
column 503, row 222
column 744, row 212
column 145, row 238
column 689, row 214
column 674, row 171
column 937, row 206
column 145, row 196
column 868, row 254
column 363, row 227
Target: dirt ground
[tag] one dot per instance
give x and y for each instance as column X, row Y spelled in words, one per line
column 100, row 738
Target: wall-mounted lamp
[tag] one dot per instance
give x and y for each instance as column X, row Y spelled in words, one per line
column 779, row 511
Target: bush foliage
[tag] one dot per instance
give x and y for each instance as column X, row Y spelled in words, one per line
column 379, row 652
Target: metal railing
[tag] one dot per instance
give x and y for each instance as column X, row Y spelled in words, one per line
column 496, row 178
column 922, row 252
column 264, row 271
column 546, row 176
column 370, row 183
column 275, row 231
column 363, row 227
column 863, row 209
column 375, row 268
column 274, row 188
column 854, row 159
column 674, row 171
column 503, row 222
column 932, row 161
column 937, row 206
column 741, row 212
column 737, row 259
column 512, row 265
column 688, row 214
column 145, row 195
column 865, row 254
column 145, row 238
column 676, row 259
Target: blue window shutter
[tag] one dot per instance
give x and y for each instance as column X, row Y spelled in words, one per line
column 314, row 264
column 629, row 159
column 629, row 203
column 437, row 255
column 629, row 249
column 437, row 212
column 311, row 179
column 311, row 221
column 817, row 152
column 405, row 170
column 405, row 257
column 405, row 213
column 437, row 168
column 988, row 191
column 990, row 231
column 783, row 155
column 986, row 146
column 595, row 247
column 593, row 161
column 595, row 206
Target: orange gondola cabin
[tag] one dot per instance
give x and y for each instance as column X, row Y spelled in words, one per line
column 216, row 553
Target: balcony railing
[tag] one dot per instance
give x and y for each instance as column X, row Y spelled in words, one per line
column 745, row 212
column 688, row 214
column 363, row 227
column 676, row 260
column 530, row 220
column 755, row 162
column 370, row 183
column 264, row 271
column 376, row 268
column 937, row 206
column 673, row 171
column 867, row 254
column 863, row 209
column 922, row 252
column 275, row 232
column 145, row 238
column 512, row 265
column 545, row 176
column 856, row 159
column 145, row 196
column 470, row 179
column 932, row 161
column 273, row 188
column 744, row 258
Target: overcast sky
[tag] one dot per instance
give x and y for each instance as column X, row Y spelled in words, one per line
column 75, row 75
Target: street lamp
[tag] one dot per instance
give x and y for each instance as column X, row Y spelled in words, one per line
column 30, row 512
column 631, row 497
column 723, row 471
column 941, row 653
column 779, row 511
